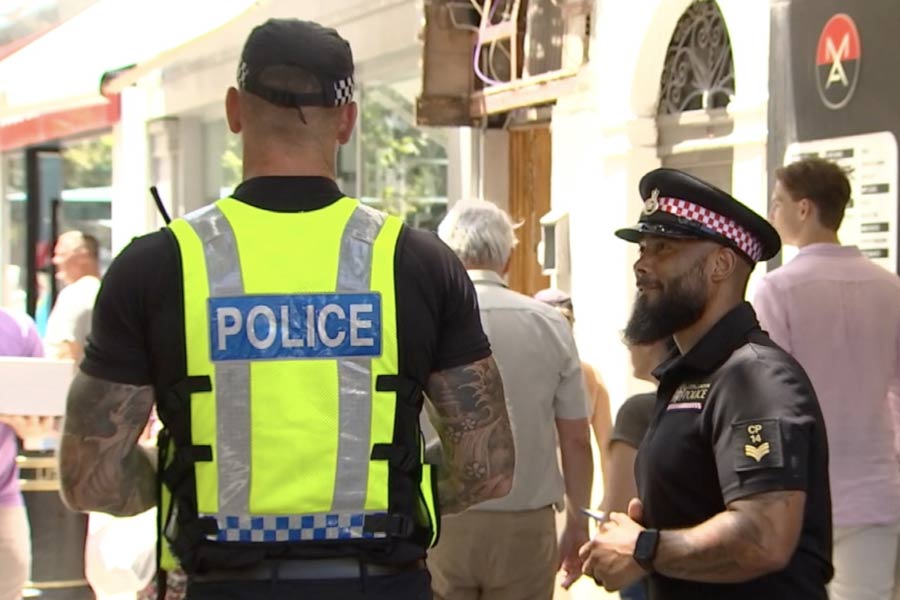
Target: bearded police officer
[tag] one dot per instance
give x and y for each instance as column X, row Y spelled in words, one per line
column 286, row 334
column 733, row 472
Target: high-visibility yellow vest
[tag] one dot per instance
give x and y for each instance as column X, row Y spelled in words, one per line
column 293, row 430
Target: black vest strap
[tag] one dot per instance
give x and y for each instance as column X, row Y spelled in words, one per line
column 175, row 409
column 397, row 456
column 403, row 454
column 182, row 463
column 400, row 526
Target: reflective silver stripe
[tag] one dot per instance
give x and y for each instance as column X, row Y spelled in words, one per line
column 355, row 374
column 232, row 384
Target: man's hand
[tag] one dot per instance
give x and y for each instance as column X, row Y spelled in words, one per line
column 471, row 418
column 608, row 557
column 578, row 474
column 573, row 537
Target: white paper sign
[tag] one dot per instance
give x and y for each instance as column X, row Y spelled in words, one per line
column 34, row 386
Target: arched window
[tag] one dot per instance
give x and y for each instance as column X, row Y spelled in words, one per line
column 699, row 70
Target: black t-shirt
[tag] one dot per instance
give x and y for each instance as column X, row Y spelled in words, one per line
column 737, row 416
column 633, row 419
column 137, row 334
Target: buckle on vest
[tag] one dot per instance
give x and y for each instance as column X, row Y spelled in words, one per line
column 400, row 526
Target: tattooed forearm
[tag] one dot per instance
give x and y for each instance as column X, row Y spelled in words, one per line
column 101, row 466
column 756, row 536
column 473, row 424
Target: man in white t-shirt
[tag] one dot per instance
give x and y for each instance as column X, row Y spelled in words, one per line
column 75, row 258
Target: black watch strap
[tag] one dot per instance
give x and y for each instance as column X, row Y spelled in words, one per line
column 645, row 548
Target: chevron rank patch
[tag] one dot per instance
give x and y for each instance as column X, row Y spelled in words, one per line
column 757, row 445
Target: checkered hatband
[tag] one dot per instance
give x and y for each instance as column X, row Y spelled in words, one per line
column 242, row 73
column 343, row 91
column 727, row 228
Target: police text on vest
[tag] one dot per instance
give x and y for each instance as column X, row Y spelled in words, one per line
column 294, row 326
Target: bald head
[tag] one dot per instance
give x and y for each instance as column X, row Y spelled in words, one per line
column 76, row 255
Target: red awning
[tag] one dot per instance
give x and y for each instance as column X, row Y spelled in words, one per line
column 61, row 124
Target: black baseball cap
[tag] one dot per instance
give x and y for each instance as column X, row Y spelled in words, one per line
column 278, row 45
column 679, row 205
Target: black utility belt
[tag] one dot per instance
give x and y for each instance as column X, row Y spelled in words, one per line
column 317, row 568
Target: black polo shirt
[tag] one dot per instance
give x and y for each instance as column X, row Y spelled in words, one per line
column 633, row 419
column 137, row 334
column 737, row 416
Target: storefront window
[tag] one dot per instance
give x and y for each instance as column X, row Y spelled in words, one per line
column 75, row 182
column 13, row 231
column 403, row 167
column 86, row 197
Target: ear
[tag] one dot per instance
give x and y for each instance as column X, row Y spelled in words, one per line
column 233, row 110
column 724, row 262
column 346, row 123
column 806, row 208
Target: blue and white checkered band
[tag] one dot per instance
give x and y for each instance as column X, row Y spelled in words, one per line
column 343, row 91
column 294, row 528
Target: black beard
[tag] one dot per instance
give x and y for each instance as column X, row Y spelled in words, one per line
column 680, row 305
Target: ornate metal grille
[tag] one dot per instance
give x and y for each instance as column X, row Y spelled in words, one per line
column 699, row 69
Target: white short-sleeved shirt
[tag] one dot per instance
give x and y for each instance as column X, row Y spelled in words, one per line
column 534, row 349
column 70, row 319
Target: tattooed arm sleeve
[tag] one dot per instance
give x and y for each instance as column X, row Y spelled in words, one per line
column 755, row 536
column 101, row 466
column 471, row 419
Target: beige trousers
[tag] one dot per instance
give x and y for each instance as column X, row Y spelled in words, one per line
column 866, row 563
column 486, row 555
column 15, row 551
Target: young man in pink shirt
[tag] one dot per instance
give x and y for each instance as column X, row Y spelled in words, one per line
column 839, row 315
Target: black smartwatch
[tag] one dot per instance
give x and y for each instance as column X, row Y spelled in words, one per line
column 645, row 548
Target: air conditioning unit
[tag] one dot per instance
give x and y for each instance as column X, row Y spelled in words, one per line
column 556, row 35
column 449, row 36
column 553, row 249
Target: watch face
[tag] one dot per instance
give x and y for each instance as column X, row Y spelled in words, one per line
column 645, row 547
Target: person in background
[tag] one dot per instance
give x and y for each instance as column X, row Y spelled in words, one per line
column 632, row 422
column 76, row 259
column 598, row 397
column 18, row 337
column 508, row 548
column 838, row 314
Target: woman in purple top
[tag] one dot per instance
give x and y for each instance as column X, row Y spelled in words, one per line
column 18, row 337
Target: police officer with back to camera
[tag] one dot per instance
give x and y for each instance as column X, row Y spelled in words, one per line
column 733, row 472
column 287, row 334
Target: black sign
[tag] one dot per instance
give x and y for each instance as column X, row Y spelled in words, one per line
column 842, row 75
